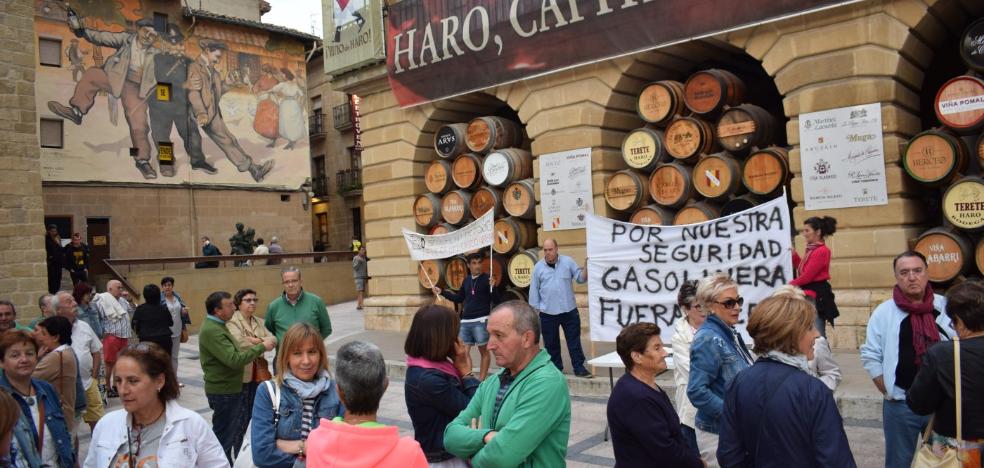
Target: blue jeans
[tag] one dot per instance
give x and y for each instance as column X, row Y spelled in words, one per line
column 690, row 435
column 571, row 323
column 474, row 333
column 902, row 429
column 227, row 416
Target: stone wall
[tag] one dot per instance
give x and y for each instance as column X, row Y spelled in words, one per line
column 168, row 222
column 856, row 54
column 23, row 275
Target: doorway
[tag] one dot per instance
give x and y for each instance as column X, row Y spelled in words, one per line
column 98, row 238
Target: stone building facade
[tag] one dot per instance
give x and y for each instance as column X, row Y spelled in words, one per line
column 22, row 258
column 881, row 51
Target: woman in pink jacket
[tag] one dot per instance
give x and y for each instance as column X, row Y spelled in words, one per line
column 813, row 270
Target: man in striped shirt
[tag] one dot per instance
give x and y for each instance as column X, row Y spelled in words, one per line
column 115, row 310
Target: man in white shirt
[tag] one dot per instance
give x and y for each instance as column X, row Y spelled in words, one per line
column 88, row 349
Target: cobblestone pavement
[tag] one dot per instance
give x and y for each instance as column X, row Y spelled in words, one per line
column 587, row 447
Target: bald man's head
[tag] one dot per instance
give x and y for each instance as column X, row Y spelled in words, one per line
column 115, row 287
column 550, row 251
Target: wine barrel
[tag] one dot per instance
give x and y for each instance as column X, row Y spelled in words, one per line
column 626, row 190
column 947, row 252
column 935, row 157
column 687, row 138
column 513, row 235
column 466, row 172
column 654, row 215
column 959, row 104
column 513, row 294
column 718, row 176
column 521, row 267
column 738, row 204
column 449, row 140
column 442, row 228
column 696, row 213
column 708, row 91
column 979, row 256
column 979, row 149
column 485, row 134
column 671, row 185
column 972, row 46
column 660, row 101
column 427, row 210
column 495, row 266
column 643, row 149
column 741, row 127
column 485, row 199
column 765, row 172
column 438, row 177
column 455, row 207
column 434, row 270
column 963, row 204
column 518, row 199
column 455, row 270
column 507, row 165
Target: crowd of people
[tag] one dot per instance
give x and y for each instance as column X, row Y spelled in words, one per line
column 769, row 404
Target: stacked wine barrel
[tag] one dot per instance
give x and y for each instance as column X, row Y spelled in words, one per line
column 480, row 166
column 703, row 153
column 947, row 161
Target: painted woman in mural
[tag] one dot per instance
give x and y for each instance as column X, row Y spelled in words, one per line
column 266, row 122
column 291, row 112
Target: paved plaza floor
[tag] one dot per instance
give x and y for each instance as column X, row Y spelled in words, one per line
column 586, row 447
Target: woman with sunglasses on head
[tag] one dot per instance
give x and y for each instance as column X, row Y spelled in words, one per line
column 152, row 429
column 306, row 394
column 47, row 444
column 717, row 355
column 683, row 337
column 248, row 330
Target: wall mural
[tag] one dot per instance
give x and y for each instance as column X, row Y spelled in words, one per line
column 200, row 102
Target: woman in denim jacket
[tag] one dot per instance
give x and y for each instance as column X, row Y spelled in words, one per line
column 717, row 354
column 307, row 394
column 18, row 353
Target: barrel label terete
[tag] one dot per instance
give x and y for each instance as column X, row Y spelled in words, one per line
column 639, row 149
column 963, row 204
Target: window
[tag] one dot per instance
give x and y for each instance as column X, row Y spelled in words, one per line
column 160, row 22
column 355, row 158
column 357, row 223
column 51, row 133
column 49, row 52
column 316, row 105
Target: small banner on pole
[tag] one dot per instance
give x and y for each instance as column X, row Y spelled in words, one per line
column 476, row 235
column 635, row 271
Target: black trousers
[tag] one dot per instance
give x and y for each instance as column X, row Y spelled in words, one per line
column 54, row 277
column 162, row 341
column 78, row 276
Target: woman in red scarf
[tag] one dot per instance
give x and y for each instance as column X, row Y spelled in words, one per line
column 813, row 271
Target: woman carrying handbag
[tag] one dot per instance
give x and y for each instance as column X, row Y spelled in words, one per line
column 950, row 385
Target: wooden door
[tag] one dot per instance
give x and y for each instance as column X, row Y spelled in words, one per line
column 98, row 238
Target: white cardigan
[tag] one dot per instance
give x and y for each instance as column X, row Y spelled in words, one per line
column 187, row 441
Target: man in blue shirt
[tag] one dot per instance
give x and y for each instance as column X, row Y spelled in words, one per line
column 552, row 295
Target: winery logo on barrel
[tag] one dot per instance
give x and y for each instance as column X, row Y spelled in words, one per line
column 446, row 140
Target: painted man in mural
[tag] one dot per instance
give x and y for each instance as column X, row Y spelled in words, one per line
column 75, row 58
column 205, row 88
column 171, row 66
column 128, row 75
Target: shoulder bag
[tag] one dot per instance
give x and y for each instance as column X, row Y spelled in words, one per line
column 245, row 457
column 950, row 457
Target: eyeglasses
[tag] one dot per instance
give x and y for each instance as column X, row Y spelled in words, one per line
column 142, row 346
column 732, row 303
column 251, row 301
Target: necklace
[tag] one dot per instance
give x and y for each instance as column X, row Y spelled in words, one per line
column 27, row 396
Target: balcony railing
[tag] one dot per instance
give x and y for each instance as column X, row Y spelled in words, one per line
column 319, row 185
column 316, row 125
column 343, row 116
column 349, row 182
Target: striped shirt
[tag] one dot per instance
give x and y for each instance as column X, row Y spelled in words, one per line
column 307, row 416
column 119, row 327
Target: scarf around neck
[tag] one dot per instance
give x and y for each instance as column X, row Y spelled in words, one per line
column 810, row 247
column 924, row 332
column 320, row 384
column 444, row 366
column 798, row 360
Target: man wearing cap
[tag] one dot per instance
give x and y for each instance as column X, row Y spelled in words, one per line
column 171, row 67
column 128, row 75
column 74, row 55
column 205, row 88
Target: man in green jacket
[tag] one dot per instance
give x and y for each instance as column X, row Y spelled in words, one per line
column 223, row 365
column 296, row 305
column 522, row 415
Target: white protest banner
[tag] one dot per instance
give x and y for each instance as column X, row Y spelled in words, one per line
column 476, row 235
column 634, row 271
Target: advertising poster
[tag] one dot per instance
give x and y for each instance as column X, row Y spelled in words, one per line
column 843, row 158
column 353, row 34
column 565, row 189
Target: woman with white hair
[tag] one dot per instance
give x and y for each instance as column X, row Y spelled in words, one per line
column 717, row 355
